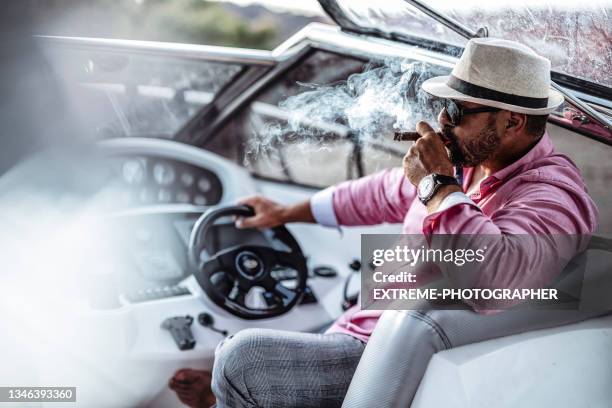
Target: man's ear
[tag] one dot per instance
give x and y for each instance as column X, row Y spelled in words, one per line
column 516, row 122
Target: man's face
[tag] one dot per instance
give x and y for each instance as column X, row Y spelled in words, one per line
column 475, row 139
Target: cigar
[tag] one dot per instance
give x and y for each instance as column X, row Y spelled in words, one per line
column 406, row 136
column 413, row 136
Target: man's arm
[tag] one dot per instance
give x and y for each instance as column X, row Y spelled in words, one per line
column 534, row 208
column 529, row 238
column 528, row 241
column 381, row 197
column 269, row 214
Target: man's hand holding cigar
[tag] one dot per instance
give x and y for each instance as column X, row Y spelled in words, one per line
column 428, row 155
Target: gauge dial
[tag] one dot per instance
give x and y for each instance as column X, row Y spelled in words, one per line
column 163, row 174
column 204, row 184
column 199, row 200
column 164, row 196
column 182, row 197
column 133, row 171
column 187, row 179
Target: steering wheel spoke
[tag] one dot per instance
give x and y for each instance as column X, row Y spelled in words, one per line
column 227, row 258
column 244, row 285
column 284, row 293
column 268, row 283
column 238, row 293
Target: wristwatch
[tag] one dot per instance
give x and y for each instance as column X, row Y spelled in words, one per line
column 431, row 183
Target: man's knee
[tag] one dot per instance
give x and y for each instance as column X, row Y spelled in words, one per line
column 234, row 357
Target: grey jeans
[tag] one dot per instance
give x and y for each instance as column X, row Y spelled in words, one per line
column 275, row 368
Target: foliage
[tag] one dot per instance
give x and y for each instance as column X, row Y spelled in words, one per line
column 190, row 21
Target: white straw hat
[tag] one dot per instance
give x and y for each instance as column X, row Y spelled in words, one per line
column 499, row 73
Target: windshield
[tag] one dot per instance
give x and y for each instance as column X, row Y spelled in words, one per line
column 398, row 16
column 121, row 94
column 575, row 36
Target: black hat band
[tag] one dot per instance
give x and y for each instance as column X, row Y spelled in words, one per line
column 480, row 92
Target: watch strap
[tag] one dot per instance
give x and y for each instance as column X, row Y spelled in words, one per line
column 439, row 180
column 443, row 179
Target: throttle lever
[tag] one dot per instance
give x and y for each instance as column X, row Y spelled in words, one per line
column 180, row 328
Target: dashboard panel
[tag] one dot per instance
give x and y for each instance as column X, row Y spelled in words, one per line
column 164, row 186
column 151, row 251
column 147, row 172
column 150, row 180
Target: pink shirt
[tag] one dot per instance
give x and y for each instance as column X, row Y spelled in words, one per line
column 541, row 193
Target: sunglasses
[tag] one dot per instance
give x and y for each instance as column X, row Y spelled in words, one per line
column 455, row 112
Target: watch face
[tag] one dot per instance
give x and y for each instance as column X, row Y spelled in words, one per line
column 426, row 186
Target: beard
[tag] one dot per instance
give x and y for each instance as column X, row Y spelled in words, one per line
column 474, row 151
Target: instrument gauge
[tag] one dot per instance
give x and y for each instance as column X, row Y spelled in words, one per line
column 164, row 196
column 182, row 197
column 187, row 179
column 163, row 173
column 133, row 171
column 204, row 184
column 200, row 200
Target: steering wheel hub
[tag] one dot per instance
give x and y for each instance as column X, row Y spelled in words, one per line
column 249, row 265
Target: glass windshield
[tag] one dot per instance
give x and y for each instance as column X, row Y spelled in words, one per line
column 330, row 118
column 575, row 36
column 119, row 94
column 398, row 16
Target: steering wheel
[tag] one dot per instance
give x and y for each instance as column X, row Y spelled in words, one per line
column 229, row 274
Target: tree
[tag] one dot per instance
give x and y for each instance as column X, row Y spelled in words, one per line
column 190, row 21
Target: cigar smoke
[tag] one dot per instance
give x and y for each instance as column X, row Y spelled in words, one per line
column 367, row 107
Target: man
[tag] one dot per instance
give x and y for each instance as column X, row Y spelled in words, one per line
column 496, row 100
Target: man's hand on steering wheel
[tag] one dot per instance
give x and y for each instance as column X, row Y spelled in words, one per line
column 270, row 214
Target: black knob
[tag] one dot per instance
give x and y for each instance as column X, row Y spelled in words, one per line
column 207, row 320
column 355, row 265
column 325, row 271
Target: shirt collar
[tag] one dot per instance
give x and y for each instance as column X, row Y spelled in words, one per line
column 542, row 148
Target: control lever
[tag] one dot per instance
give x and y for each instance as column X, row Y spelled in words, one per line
column 180, row 328
column 206, row 320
